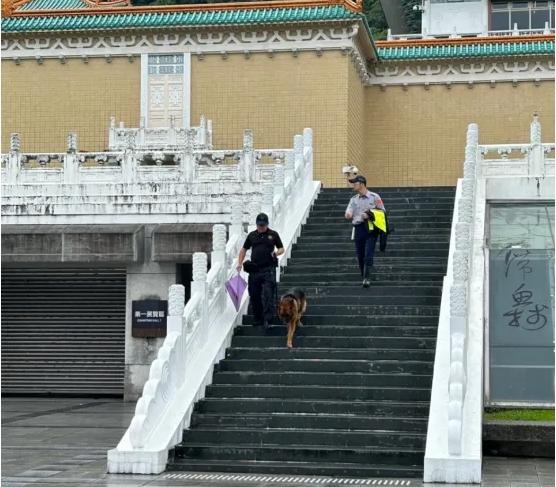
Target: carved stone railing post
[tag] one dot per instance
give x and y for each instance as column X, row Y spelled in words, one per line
column 209, row 134
column 14, row 159
column 246, row 166
column 172, row 139
column 71, row 161
column 112, row 132
column 308, row 152
column 298, row 154
column 218, row 254
column 129, row 161
column 176, row 305
column 236, row 218
column 536, row 153
column 254, row 210
column 188, row 167
column 268, row 201
column 202, row 134
column 199, row 286
column 279, row 179
column 141, row 136
column 289, row 165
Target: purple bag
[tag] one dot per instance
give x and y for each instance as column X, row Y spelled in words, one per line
column 236, row 287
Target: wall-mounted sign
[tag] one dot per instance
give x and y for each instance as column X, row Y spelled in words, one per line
column 148, row 318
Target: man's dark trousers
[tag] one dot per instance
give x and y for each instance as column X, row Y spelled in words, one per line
column 365, row 243
column 262, row 293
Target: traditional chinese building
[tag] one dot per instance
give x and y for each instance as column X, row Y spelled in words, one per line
column 396, row 109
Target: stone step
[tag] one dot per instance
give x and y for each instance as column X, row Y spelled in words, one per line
column 392, row 204
column 304, row 437
column 334, row 253
column 327, row 365
column 284, row 467
column 344, row 393
column 327, row 291
column 322, row 379
column 341, row 331
column 411, row 343
column 417, row 410
column 310, row 421
column 317, row 354
column 367, row 321
column 371, row 299
column 372, row 309
column 348, row 245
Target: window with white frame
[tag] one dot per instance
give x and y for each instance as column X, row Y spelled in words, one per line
column 526, row 14
column 165, row 90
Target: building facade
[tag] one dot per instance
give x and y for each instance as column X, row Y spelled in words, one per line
column 396, row 109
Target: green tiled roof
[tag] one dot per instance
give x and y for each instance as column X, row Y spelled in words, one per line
column 53, row 5
column 466, row 50
column 173, row 19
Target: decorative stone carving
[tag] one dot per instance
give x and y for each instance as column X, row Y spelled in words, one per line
column 15, row 142
column 463, row 236
column 72, row 142
column 176, row 300
column 535, row 130
column 458, row 300
column 460, row 266
column 199, row 266
column 218, row 238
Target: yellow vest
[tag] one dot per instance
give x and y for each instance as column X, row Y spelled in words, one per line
column 380, row 221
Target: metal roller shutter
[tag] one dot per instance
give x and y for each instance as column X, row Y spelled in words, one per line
column 63, row 331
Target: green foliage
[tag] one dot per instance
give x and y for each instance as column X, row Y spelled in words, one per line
column 521, row 414
column 375, row 16
column 412, row 17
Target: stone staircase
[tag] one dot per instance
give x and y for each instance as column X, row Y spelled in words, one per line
column 352, row 398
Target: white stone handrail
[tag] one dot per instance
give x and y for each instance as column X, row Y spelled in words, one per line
column 159, row 138
column 453, row 449
column 199, row 332
column 191, row 182
column 491, row 33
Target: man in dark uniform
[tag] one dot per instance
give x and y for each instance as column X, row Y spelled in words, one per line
column 262, row 278
column 356, row 211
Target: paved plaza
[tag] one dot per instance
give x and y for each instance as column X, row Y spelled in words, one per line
column 63, row 442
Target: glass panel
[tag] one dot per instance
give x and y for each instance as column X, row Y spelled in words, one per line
column 540, row 3
column 521, row 18
column 539, row 17
column 520, row 4
column 521, row 303
column 500, row 20
column 552, row 18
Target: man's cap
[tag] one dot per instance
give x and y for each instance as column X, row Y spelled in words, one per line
column 262, row 219
column 359, row 179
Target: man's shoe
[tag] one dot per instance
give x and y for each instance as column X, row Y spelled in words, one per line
column 366, row 282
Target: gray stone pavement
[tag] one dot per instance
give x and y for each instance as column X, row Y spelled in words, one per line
column 63, row 442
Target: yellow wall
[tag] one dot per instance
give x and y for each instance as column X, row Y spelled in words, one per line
column 44, row 102
column 417, row 137
column 277, row 97
column 356, row 120
column 396, row 137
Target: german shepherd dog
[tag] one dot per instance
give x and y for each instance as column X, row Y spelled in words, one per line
column 290, row 310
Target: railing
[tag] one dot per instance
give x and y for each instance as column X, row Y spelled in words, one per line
column 159, row 138
column 456, row 35
column 183, row 181
column 199, row 333
column 453, row 451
